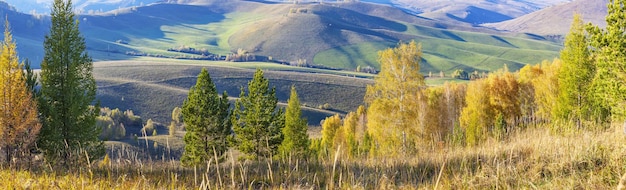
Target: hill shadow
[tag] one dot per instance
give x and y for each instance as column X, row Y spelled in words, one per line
column 146, row 22
column 478, row 16
column 503, row 41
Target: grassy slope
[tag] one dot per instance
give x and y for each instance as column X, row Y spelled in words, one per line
column 153, row 88
column 531, row 159
column 446, row 50
column 335, row 35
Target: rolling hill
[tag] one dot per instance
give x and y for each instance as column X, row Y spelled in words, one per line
column 474, row 12
column 159, row 85
column 339, row 35
column 28, row 31
column 556, row 20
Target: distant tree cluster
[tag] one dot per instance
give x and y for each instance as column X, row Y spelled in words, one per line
column 240, row 56
column 114, row 123
column 464, row 75
column 190, row 50
column 366, row 69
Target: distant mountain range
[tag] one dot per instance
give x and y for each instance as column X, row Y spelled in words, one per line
column 556, row 20
column 84, row 6
column 343, row 35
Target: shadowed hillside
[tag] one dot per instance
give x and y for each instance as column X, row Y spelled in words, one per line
column 28, row 31
column 152, row 89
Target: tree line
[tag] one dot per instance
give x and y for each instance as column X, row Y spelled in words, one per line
column 584, row 89
column 254, row 125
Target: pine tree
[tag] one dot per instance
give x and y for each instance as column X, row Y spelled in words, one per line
column 296, row 139
column 18, row 109
column 206, row 116
column 607, row 50
column 575, row 75
column 31, row 77
column 392, row 112
column 256, row 120
column 68, row 90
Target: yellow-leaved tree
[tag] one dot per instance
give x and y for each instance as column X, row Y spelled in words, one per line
column 393, row 119
column 19, row 124
column 477, row 116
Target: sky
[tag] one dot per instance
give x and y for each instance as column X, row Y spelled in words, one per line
column 43, row 6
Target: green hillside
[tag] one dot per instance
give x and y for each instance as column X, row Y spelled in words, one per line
column 338, row 35
column 333, row 35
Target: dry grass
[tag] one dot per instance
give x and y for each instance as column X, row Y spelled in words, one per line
column 532, row 159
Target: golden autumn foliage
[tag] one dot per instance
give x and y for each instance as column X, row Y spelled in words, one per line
column 392, row 112
column 18, row 110
column 477, row 115
column 440, row 109
column 350, row 134
column 504, row 95
column 329, row 128
column 545, row 85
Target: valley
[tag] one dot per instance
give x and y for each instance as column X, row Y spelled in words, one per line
column 320, row 94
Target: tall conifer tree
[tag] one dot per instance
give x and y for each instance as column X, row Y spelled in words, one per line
column 575, row 75
column 607, row 50
column 18, row 114
column 68, row 90
column 296, row 139
column 206, row 116
column 256, row 120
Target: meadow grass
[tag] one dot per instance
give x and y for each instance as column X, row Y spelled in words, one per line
column 448, row 50
column 534, row 158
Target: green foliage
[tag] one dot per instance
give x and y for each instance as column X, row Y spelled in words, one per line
column 256, row 120
column 315, row 147
column 607, row 50
column 296, row 140
column 574, row 101
column 500, row 126
column 460, row 74
column 206, row 117
column 68, row 89
column 31, row 77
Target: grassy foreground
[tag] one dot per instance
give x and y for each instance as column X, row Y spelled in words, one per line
column 534, row 158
